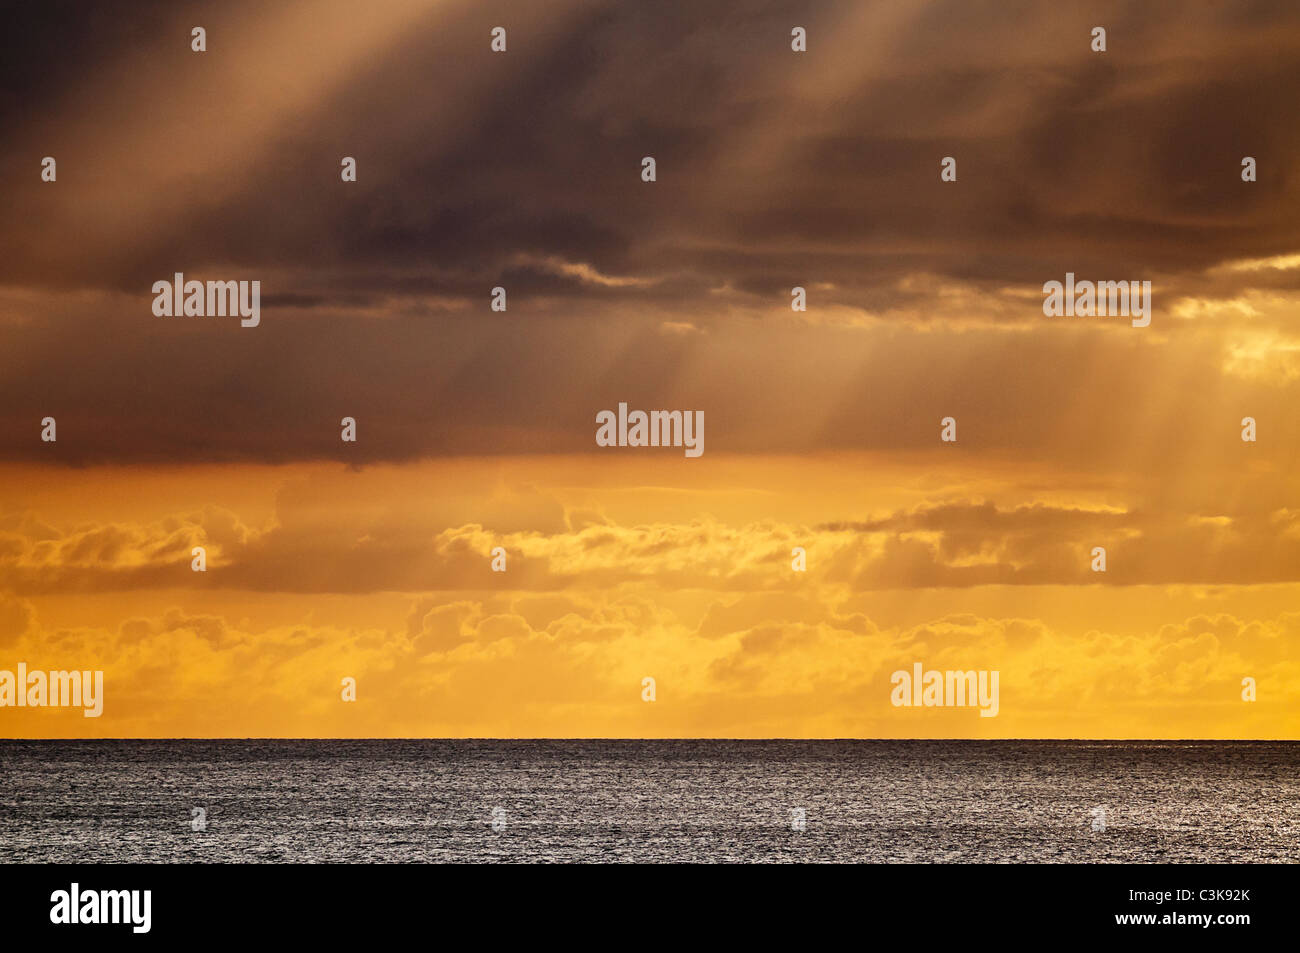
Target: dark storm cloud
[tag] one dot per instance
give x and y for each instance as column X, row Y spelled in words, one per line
column 522, row 170
column 468, row 159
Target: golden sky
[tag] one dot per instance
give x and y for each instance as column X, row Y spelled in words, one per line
column 476, row 428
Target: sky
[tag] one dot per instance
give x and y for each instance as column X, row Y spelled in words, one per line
column 371, row 560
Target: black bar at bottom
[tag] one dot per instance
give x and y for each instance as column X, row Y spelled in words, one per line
column 1219, row 904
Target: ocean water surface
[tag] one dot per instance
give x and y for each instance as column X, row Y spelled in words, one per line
column 713, row 801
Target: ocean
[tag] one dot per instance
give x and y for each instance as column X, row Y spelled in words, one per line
column 344, row 801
